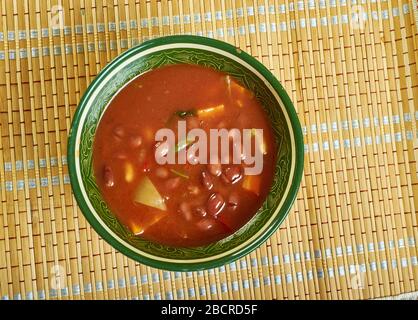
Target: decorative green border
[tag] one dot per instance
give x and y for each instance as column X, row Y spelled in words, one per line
column 94, row 195
column 217, row 62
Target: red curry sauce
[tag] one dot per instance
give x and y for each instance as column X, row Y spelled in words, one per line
column 179, row 204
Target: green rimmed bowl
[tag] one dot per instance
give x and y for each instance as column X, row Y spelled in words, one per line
column 218, row 55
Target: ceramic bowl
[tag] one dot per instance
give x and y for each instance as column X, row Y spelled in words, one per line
column 220, row 56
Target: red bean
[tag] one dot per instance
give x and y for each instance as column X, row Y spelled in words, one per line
column 215, row 204
column 162, row 172
column 206, row 224
column 200, row 211
column 186, row 211
column 135, row 141
column 233, row 200
column 215, row 169
column 172, row 183
column 108, row 177
column 207, row 180
column 232, row 174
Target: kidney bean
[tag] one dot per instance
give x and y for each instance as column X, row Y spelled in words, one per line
column 233, row 200
column 232, row 174
column 206, row 224
column 207, row 180
column 215, row 204
column 172, row 183
column 200, row 211
column 108, row 177
column 215, row 169
column 162, row 172
column 186, row 211
column 135, row 141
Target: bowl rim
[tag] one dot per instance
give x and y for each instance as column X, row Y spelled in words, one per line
column 290, row 197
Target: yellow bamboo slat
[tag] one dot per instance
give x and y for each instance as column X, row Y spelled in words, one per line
column 352, row 231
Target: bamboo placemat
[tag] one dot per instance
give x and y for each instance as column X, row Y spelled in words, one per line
column 350, row 67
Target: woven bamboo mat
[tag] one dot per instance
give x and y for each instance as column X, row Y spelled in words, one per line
column 349, row 66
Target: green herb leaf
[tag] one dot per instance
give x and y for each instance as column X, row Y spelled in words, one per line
column 180, row 174
column 185, row 113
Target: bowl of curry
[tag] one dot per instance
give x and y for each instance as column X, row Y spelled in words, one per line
column 185, row 153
